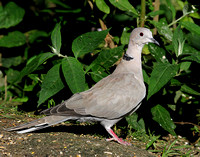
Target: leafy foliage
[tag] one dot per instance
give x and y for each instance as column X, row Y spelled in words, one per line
column 82, row 54
column 11, row 15
column 88, row 42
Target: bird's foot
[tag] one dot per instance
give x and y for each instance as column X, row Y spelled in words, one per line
column 119, row 140
column 116, row 138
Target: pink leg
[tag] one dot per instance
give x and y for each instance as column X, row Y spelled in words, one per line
column 116, row 138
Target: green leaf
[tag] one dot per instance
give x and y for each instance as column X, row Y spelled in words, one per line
column 35, row 63
column 154, row 13
column 12, row 75
column 87, row 42
column 136, row 124
column 171, row 7
column 190, row 54
column 184, row 66
column 51, row 84
column 193, row 40
column 163, row 28
column 13, row 39
column 24, row 99
column 158, row 53
column 74, row 74
column 98, row 75
column 12, row 61
column 191, row 57
column 160, row 75
column 107, row 58
column 11, row 15
column 56, row 39
column 33, row 35
column 189, row 90
column 178, row 41
column 145, row 76
column 124, row 5
column 192, row 27
column 103, row 6
column 125, row 36
column 162, row 116
column 104, row 61
column 58, row 2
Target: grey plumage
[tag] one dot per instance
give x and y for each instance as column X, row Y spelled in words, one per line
column 109, row 100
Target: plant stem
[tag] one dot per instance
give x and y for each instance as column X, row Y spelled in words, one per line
column 5, row 84
column 143, row 12
column 156, row 8
column 60, row 55
column 178, row 19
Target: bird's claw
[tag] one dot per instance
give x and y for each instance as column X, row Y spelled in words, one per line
column 119, row 140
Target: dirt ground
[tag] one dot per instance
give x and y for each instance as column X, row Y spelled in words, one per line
column 63, row 140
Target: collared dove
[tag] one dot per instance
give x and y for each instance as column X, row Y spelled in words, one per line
column 109, row 100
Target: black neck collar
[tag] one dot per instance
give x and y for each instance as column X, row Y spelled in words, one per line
column 127, row 57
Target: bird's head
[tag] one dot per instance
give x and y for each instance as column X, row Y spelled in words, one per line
column 141, row 36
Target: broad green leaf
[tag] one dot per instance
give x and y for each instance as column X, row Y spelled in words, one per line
column 33, row 35
column 13, row 39
column 87, row 42
column 56, row 39
column 103, row 6
column 35, row 63
column 192, row 27
column 24, row 99
column 184, row 66
column 104, row 61
column 145, row 50
column 98, row 75
column 158, row 53
column 124, row 5
column 185, row 9
column 190, row 54
column 51, row 84
column 12, row 61
column 178, row 41
column 193, row 40
column 171, row 7
column 11, row 15
column 74, row 74
column 154, row 13
column 195, row 15
column 191, row 57
column 162, row 116
column 175, row 82
column 136, row 124
column 125, row 36
column 161, row 74
column 176, row 98
column 107, row 58
column 189, row 90
column 163, row 28
column 189, row 49
column 145, row 76
column 12, row 75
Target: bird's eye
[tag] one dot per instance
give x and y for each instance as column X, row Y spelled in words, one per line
column 141, row 34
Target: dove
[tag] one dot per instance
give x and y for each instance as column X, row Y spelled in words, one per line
column 109, row 100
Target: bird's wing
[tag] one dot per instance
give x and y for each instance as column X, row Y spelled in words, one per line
column 111, row 98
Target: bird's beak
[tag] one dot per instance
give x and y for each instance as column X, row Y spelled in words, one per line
column 154, row 41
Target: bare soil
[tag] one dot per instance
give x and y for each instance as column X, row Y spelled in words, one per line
column 63, row 140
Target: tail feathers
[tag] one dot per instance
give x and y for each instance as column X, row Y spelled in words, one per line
column 39, row 124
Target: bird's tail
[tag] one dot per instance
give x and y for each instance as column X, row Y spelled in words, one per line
column 39, row 124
